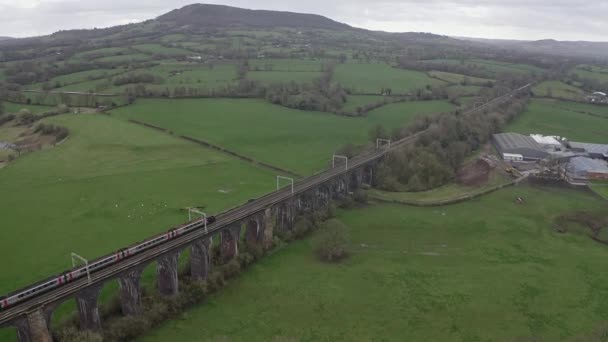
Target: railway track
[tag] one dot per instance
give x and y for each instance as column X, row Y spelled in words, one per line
column 223, row 220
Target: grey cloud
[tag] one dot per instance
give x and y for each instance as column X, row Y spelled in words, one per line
column 515, row 19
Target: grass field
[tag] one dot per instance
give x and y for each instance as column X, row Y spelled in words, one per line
column 157, row 49
column 134, row 57
column 11, row 107
column 552, row 117
column 601, row 188
column 355, row 101
column 558, row 89
column 495, row 67
column 273, row 77
column 296, row 140
column 484, row 270
column 112, row 51
column 117, row 179
column 592, row 72
column 458, row 78
column 286, row 65
column 371, row 78
column 447, row 192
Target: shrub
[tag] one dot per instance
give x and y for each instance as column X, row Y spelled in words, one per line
column 360, row 196
column 232, row 269
column 245, row 259
column 301, row 227
column 333, row 242
column 127, row 328
column 71, row 334
column 216, row 281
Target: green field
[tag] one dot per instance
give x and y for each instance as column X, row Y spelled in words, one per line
column 112, row 51
column 274, row 77
column 371, row 78
column 559, row 90
column 552, row 117
column 157, row 49
column 591, row 72
column 495, row 67
column 296, row 140
column 448, row 192
column 286, row 65
column 601, row 188
column 458, row 78
column 134, row 57
column 484, row 270
column 355, row 101
column 11, row 107
column 109, row 179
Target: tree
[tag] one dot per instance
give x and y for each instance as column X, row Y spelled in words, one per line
column 1, row 108
column 333, row 242
column 378, row 132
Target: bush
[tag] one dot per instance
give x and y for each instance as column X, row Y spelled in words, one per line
column 360, row 196
column 128, row 328
column 232, row 269
column 333, row 242
column 72, row 334
column 245, row 259
column 301, row 227
column 216, row 281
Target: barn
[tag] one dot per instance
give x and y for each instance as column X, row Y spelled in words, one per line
column 514, row 143
column 583, row 168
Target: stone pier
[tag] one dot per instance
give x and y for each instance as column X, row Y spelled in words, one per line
column 200, row 259
column 88, row 310
column 166, row 274
column 34, row 327
column 130, row 291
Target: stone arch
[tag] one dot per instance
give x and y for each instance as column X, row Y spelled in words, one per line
column 253, row 231
column 230, row 242
column 323, row 195
column 285, row 215
column 368, row 174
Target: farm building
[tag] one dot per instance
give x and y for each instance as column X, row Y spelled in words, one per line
column 598, row 97
column 598, row 151
column 548, row 142
column 514, row 143
column 583, row 168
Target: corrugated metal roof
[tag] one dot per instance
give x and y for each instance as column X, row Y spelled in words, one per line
column 590, row 148
column 588, row 165
column 508, row 141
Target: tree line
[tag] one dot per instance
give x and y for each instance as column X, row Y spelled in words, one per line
column 441, row 149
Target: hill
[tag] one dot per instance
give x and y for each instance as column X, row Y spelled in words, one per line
column 214, row 16
column 550, row 46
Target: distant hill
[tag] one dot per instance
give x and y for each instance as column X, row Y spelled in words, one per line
column 6, row 38
column 214, row 16
column 551, row 46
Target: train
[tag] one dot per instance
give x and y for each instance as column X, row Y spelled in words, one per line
column 99, row 264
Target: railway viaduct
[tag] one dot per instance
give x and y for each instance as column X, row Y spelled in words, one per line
column 260, row 220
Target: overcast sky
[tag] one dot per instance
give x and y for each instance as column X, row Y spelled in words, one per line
column 508, row 19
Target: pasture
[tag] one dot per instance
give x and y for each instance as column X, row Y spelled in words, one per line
column 371, row 78
column 288, row 64
column 459, row 79
column 274, row 77
column 131, row 58
column 592, row 72
column 157, row 49
column 484, row 270
column 558, row 90
column 552, row 117
column 110, row 178
column 14, row 108
column 355, row 101
column 495, row 67
column 299, row 141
